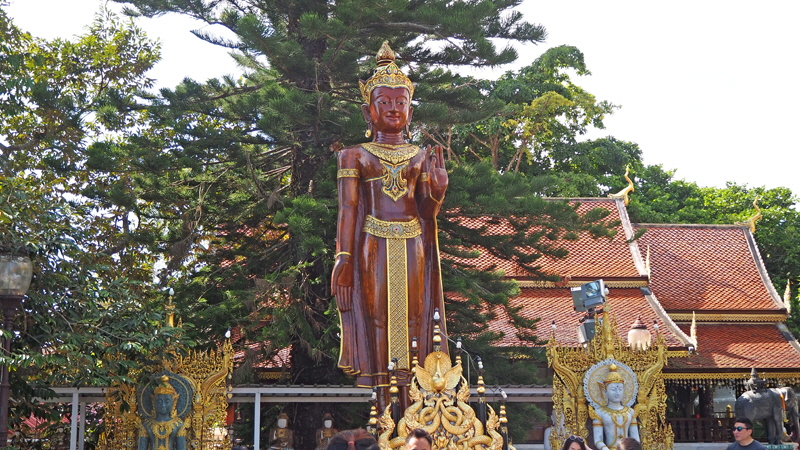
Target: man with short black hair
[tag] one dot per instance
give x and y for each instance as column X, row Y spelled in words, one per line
column 419, row 439
column 743, row 433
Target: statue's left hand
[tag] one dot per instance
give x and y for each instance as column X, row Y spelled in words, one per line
column 437, row 172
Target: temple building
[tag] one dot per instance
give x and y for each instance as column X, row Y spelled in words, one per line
column 704, row 288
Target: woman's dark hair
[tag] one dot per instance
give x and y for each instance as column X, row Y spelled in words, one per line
column 572, row 439
column 353, row 440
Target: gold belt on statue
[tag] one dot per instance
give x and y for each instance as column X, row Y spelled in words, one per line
column 392, row 230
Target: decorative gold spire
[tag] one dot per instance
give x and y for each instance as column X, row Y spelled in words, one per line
column 386, row 74
column 751, row 222
column 623, row 194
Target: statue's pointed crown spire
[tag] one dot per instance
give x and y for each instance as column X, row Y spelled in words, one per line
column 613, row 376
column 386, row 74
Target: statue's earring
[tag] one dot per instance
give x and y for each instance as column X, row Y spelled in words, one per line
column 368, row 133
column 408, row 132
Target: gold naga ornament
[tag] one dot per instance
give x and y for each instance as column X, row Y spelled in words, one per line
column 572, row 395
column 440, row 405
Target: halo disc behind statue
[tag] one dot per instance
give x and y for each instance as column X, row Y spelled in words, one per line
column 596, row 396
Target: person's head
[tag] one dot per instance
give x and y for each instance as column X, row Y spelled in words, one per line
column 743, row 430
column 628, row 444
column 353, row 440
column 574, row 443
column 418, row 439
column 387, row 95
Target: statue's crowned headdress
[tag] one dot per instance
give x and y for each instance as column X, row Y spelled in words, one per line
column 165, row 387
column 386, row 74
column 613, row 376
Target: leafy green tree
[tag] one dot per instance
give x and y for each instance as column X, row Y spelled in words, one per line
column 532, row 112
column 89, row 317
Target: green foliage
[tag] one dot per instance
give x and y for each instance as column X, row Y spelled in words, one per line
column 531, row 115
column 90, row 316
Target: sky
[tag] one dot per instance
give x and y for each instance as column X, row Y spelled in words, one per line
column 706, row 88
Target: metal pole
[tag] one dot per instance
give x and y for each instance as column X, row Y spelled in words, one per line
column 73, row 426
column 82, row 425
column 257, row 422
column 10, row 303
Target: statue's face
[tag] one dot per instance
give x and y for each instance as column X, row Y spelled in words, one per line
column 390, row 109
column 163, row 404
column 327, row 423
column 614, row 392
column 281, row 423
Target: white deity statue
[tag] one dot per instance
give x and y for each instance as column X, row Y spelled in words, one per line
column 615, row 420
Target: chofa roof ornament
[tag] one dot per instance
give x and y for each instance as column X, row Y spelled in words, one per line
column 623, row 194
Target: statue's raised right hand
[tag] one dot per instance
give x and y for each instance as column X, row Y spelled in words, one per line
column 342, row 283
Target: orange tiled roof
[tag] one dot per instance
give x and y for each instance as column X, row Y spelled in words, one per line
column 706, row 268
column 278, row 359
column 588, row 257
column 551, row 304
column 739, row 346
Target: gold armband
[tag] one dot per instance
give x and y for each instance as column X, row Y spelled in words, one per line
column 340, row 254
column 423, row 176
column 347, row 173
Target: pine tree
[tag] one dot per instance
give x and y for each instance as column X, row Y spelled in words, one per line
column 240, row 174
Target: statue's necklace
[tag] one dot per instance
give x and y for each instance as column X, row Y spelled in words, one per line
column 394, row 159
column 392, row 153
column 162, row 431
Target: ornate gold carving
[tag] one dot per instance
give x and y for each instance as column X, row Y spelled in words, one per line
column 440, row 396
column 731, row 376
column 386, row 74
column 570, row 400
column 347, row 173
column 392, row 230
column 423, row 176
column 610, row 283
column 706, row 317
column 391, row 153
column 207, row 373
column 394, row 181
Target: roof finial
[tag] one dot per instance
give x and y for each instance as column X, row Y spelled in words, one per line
column 751, row 222
column 623, row 194
column 787, row 297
